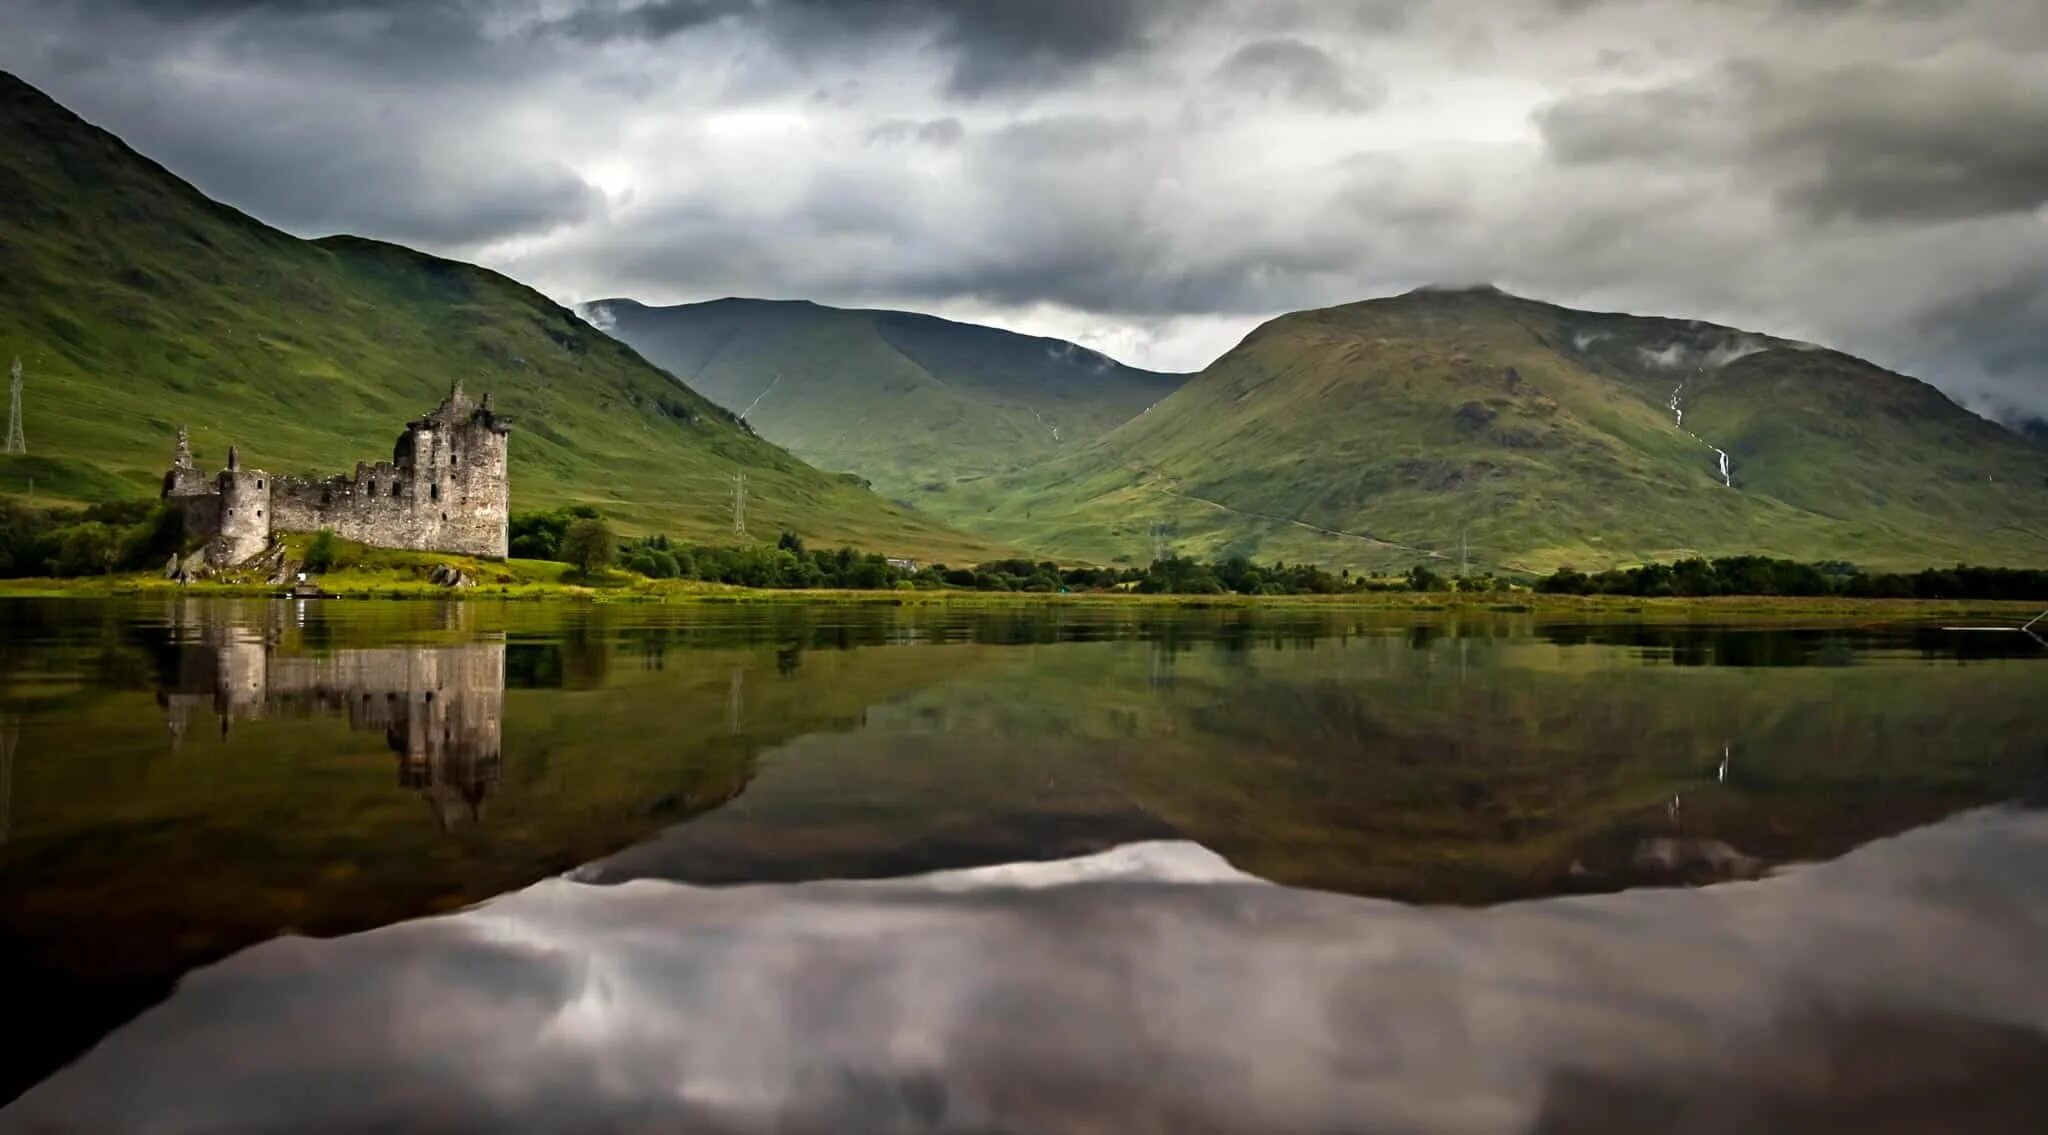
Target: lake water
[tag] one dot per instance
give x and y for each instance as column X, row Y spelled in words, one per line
column 182, row 780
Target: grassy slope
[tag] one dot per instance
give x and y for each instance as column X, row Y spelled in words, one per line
column 136, row 304
column 1379, row 433
column 914, row 403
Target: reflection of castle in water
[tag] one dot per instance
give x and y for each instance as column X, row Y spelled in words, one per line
column 439, row 707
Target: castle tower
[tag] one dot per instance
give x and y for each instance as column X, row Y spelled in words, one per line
column 455, row 462
column 185, row 479
column 244, row 513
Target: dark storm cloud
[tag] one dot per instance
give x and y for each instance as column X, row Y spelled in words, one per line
column 2003, row 325
column 1876, row 142
column 319, row 117
column 997, row 44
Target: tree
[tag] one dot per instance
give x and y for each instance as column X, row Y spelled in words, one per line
column 791, row 542
column 589, row 546
column 90, row 548
column 1420, row 578
column 320, row 554
column 654, row 563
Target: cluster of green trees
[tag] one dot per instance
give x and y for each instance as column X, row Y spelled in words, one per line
column 1760, row 575
column 579, row 536
column 1237, row 575
column 100, row 540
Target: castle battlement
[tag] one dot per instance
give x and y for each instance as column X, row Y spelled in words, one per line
column 445, row 489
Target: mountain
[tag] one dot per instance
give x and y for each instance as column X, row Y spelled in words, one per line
column 913, row 403
column 2034, row 430
column 136, row 305
column 1379, row 434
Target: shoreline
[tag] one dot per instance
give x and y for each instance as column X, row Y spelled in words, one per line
column 636, row 591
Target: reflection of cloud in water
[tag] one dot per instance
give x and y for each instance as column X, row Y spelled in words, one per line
column 1883, row 988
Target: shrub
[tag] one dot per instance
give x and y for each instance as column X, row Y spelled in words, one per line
column 1421, row 578
column 87, row 548
column 322, row 552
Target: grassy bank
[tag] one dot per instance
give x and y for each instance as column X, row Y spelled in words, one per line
column 403, row 577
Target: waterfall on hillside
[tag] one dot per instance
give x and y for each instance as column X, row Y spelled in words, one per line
column 1723, row 465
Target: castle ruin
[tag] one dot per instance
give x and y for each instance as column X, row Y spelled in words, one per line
column 445, row 489
column 439, row 708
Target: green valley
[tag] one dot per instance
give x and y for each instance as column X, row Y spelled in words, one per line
column 136, row 305
column 913, row 403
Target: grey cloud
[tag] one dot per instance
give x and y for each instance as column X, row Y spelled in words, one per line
column 1893, row 142
column 1871, row 141
column 400, row 179
column 2001, row 326
column 941, row 133
column 997, row 44
column 1862, row 174
column 318, row 117
column 1302, row 72
column 1057, row 210
column 389, row 174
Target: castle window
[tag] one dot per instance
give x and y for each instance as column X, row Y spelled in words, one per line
column 434, row 492
column 231, row 512
column 394, row 490
column 259, row 514
column 259, row 484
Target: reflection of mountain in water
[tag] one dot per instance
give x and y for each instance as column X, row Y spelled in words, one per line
column 440, row 708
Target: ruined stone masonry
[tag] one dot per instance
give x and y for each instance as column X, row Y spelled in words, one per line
column 439, row 708
column 445, row 489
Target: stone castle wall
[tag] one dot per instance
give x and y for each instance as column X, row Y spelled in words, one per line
column 446, row 489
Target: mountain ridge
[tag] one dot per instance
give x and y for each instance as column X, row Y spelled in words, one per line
column 910, row 401
column 1538, row 435
column 138, row 304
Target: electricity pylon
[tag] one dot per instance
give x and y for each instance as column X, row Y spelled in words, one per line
column 739, row 504
column 16, row 441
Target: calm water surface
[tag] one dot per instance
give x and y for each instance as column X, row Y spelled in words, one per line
column 180, row 780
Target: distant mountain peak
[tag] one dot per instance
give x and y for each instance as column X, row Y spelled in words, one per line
column 1474, row 288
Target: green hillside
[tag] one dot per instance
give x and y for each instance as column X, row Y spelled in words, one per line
column 1375, row 434
column 136, row 304
column 913, row 403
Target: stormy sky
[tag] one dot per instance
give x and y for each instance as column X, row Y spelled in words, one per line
column 1150, row 177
